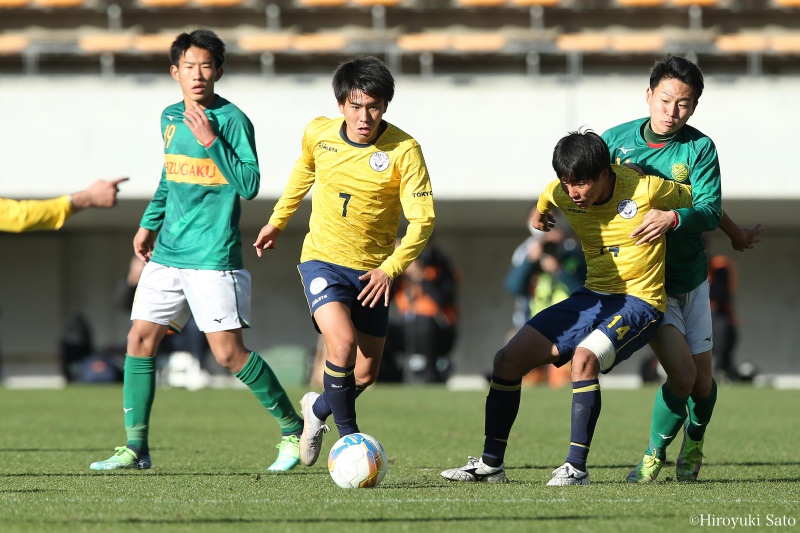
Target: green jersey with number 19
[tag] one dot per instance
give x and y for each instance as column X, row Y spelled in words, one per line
column 196, row 208
column 690, row 158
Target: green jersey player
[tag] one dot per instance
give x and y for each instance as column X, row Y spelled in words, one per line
column 664, row 145
column 189, row 238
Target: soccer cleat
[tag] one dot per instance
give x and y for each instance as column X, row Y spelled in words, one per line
column 690, row 458
column 476, row 471
column 313, row 429
column 647, row 470
column 288, row 454
column 124, row 458
column 567, row 474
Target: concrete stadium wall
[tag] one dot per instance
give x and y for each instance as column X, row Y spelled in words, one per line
column 488, row 143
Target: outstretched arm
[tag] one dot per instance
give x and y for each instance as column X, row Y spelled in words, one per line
column 741, row 238
column 99, row 194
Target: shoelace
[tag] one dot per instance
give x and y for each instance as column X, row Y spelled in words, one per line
column 288, row 441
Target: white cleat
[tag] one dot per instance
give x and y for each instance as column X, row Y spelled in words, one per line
column 566, row 474
column 476, row 471
column 313, row 429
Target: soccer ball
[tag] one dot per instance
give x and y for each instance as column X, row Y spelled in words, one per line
column 357, row 461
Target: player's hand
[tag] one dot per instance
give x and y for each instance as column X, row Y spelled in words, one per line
column 747, row 239
column 198, row 122
column 655, row 224
column 266, row 238
column 99, row 194
column 143, row 243
column 379, row 285
column 543, row 222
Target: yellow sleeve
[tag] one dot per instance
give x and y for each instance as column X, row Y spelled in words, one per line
column 668, row 194
column 416, row 198
column 300, row 182
column 547, row 200
column 29, row 215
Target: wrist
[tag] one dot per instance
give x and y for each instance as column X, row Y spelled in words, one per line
column 209, row 143
column 677, row 220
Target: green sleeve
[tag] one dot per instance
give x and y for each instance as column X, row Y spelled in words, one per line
column 154, row 214
column 234, row 153
column 706, row 211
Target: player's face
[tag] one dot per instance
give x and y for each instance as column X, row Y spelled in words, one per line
column 586, row 193
column 362, row 114
column 671, row 104
column 197, row 74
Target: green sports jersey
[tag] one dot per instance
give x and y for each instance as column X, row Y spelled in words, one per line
column 196, row 208
column 689, row 158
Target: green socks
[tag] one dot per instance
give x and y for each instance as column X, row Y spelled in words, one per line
column 138, row 392
column 669, row 413
column 700, row 413
column 258, row 376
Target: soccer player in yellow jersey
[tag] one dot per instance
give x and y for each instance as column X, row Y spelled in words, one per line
column 17, row 216
column 365, row 173
column 599, row 325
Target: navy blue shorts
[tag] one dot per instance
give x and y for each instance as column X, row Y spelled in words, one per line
column 325, row 282
column 627, row 321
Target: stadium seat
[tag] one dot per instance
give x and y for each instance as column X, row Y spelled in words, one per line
column 788, row 44
column 641, row 3
column 99, row 43
column 155, row 4
column 58, row 4
column 480, row 3
column 741, row 42
column 12, row 44
column 370, row 3
column 699, row 3
column 10, row 4
column 423, row 42
column 319, row 42
column 638, row 43
column 321, row 3
column 265, row 42
column 155, row 43
column 219, row 3
column 478, row 42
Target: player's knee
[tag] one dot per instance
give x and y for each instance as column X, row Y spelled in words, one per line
column 139, row 344
column 230, row 358
column 682, row 382
column 507, row 364
column 585, row 365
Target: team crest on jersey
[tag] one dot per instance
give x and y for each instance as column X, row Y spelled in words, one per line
column 379, row 161
column 680, row 172
column 627, row 209
column 317, row 285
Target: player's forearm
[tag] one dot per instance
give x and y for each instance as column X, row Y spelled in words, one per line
column 243, row 175
column 411, row 246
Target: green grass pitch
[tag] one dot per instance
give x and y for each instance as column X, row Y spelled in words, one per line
column 211, row 448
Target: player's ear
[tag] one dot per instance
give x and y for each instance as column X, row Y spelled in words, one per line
column 648, row 94
column 219, row 73
column 173, row 69
column 385, row 106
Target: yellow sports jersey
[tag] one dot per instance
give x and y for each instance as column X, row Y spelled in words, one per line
column 359, row 193
column 26, row 215
column 615, row 265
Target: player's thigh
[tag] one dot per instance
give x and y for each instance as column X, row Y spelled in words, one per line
column 160, row 298
column 333, row 321
column 368, row 358
column 675, row 357
column 527, row 349
column 219, row 299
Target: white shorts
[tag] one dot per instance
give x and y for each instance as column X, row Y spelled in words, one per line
column 691, row 314
column 218, row 299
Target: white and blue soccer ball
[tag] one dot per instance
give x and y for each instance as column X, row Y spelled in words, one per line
column 357, row 461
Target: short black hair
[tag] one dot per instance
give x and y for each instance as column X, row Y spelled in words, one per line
column 202, row 38
column 581, row 156
column 678, row 68
column 367, row 74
